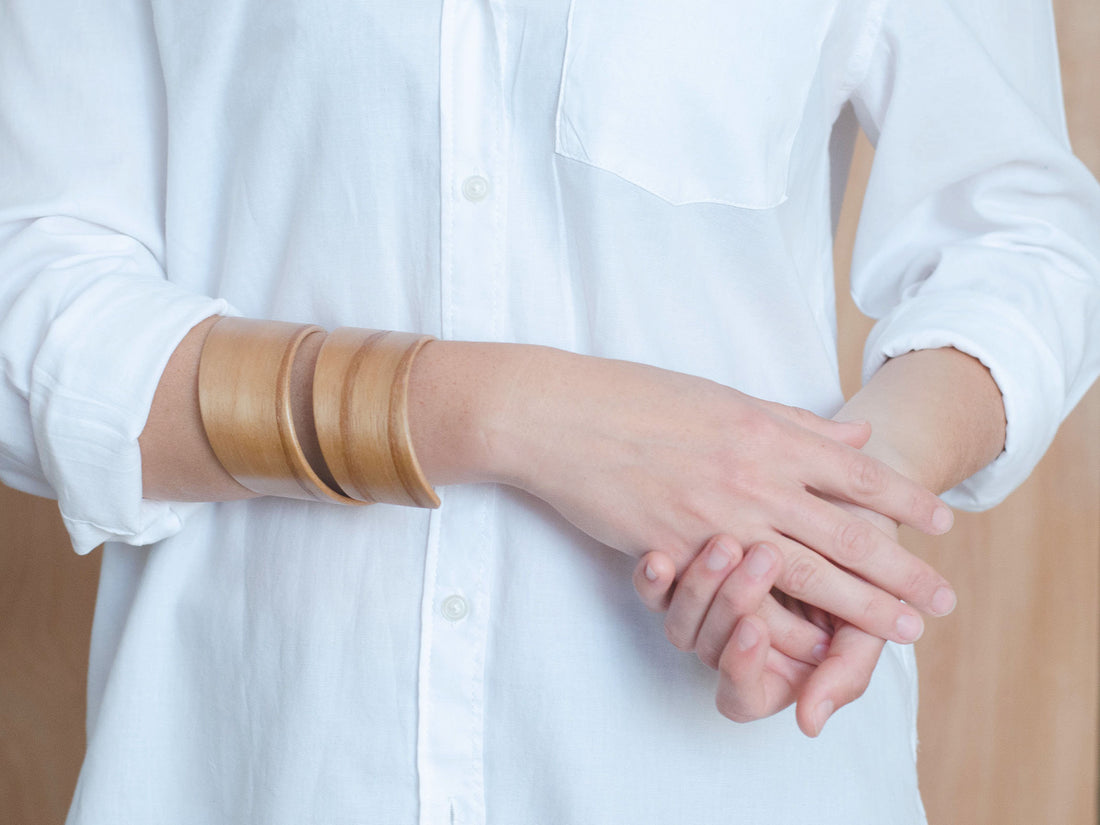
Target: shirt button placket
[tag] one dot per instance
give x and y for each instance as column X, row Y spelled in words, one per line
column 475, row 188
column 456, row 604
column 454, row 608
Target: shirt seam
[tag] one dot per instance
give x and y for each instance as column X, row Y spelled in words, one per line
column 859, row 66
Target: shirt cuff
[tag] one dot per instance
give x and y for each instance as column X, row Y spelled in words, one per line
column 1025, row 370
column 92, row 387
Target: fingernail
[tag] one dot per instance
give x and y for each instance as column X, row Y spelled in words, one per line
column 821, row 652
column 822, row 714
column 650, row 573
column 944, row 601
column 747, row 635
column 759, row 562
column 909, row 627
column 718, row 557
column 942, row 519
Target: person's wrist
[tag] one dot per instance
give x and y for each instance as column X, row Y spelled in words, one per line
column 881, row 447
column 465, row 402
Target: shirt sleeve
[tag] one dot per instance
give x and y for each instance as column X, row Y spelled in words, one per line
column 88, row 319
column 979, row 228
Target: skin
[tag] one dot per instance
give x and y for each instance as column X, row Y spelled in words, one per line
column 924, row 427
column 645, row 459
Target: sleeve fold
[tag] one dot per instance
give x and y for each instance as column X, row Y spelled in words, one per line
column 980, row 230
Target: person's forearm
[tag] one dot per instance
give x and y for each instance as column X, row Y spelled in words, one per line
column 636, row 457
column 936, row 416
column 177, row 462
column 455, row 390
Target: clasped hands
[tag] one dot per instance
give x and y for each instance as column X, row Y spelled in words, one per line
column 730, row 496
column 770, row 649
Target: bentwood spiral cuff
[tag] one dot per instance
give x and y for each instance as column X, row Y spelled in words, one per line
column 244, row 398
column 360, row 405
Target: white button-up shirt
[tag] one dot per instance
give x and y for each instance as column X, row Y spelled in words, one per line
column 636, row 179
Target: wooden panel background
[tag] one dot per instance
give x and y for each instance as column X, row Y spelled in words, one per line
column 1010, row 682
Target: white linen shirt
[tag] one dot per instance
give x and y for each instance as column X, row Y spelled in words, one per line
column 642, row 180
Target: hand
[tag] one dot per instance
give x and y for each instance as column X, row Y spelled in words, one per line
column 723, row 610
column 643, row 458
column 769, row 652
column 846, row 671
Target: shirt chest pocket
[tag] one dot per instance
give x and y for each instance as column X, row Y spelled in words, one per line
column 696, row 101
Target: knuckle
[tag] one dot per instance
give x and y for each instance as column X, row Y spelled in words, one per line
column 724, row 704
column 678, row 637
column 853, row 688
column 855, row 543
column 802, row 416
column 732, row 601
column 758, row 429
column 867, row 476
column 741, row 481
column 691, row 590
column 879, row 613
column 726, row 669
column 708, row 655
column 873, row 609
column 732, row 708
column 740, row 716
column 796, row 415
column 919, row 583
column 679, row 550
column 920, row 507
column 802, row 576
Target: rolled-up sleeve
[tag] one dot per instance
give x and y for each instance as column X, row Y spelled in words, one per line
column 88, row 319
column 980, row 230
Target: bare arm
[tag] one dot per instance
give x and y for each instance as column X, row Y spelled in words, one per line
column 453, row 388
column 936, row 417
column 635, row 456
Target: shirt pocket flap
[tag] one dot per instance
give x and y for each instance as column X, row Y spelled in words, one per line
column 697, row 101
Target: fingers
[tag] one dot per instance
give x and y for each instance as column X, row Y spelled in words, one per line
column 746, row 590
column 838, row 470
column 811, row 578
column 698, row 587
column 840, row 679
column 716, row 590
column 720, row 587
column 796, row 634
column 864, row 480
column 855, row 544
column 755, row 680
column 723, row 608
column 654, row 577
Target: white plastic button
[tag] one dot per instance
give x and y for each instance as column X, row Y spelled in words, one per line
column 475, row 188
column 454, row 608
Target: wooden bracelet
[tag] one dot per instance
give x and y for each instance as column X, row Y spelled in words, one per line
column 245, row 402
column 361, row 408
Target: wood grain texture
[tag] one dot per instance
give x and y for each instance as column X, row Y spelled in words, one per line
column 47, row 594
column 1009, row 682
column 361, row 409
column 245, row 397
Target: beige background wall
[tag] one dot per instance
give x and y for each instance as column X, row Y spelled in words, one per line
column 1009, row 682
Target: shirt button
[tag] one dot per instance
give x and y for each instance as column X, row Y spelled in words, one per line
column 475, row 188
column 454, row 608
